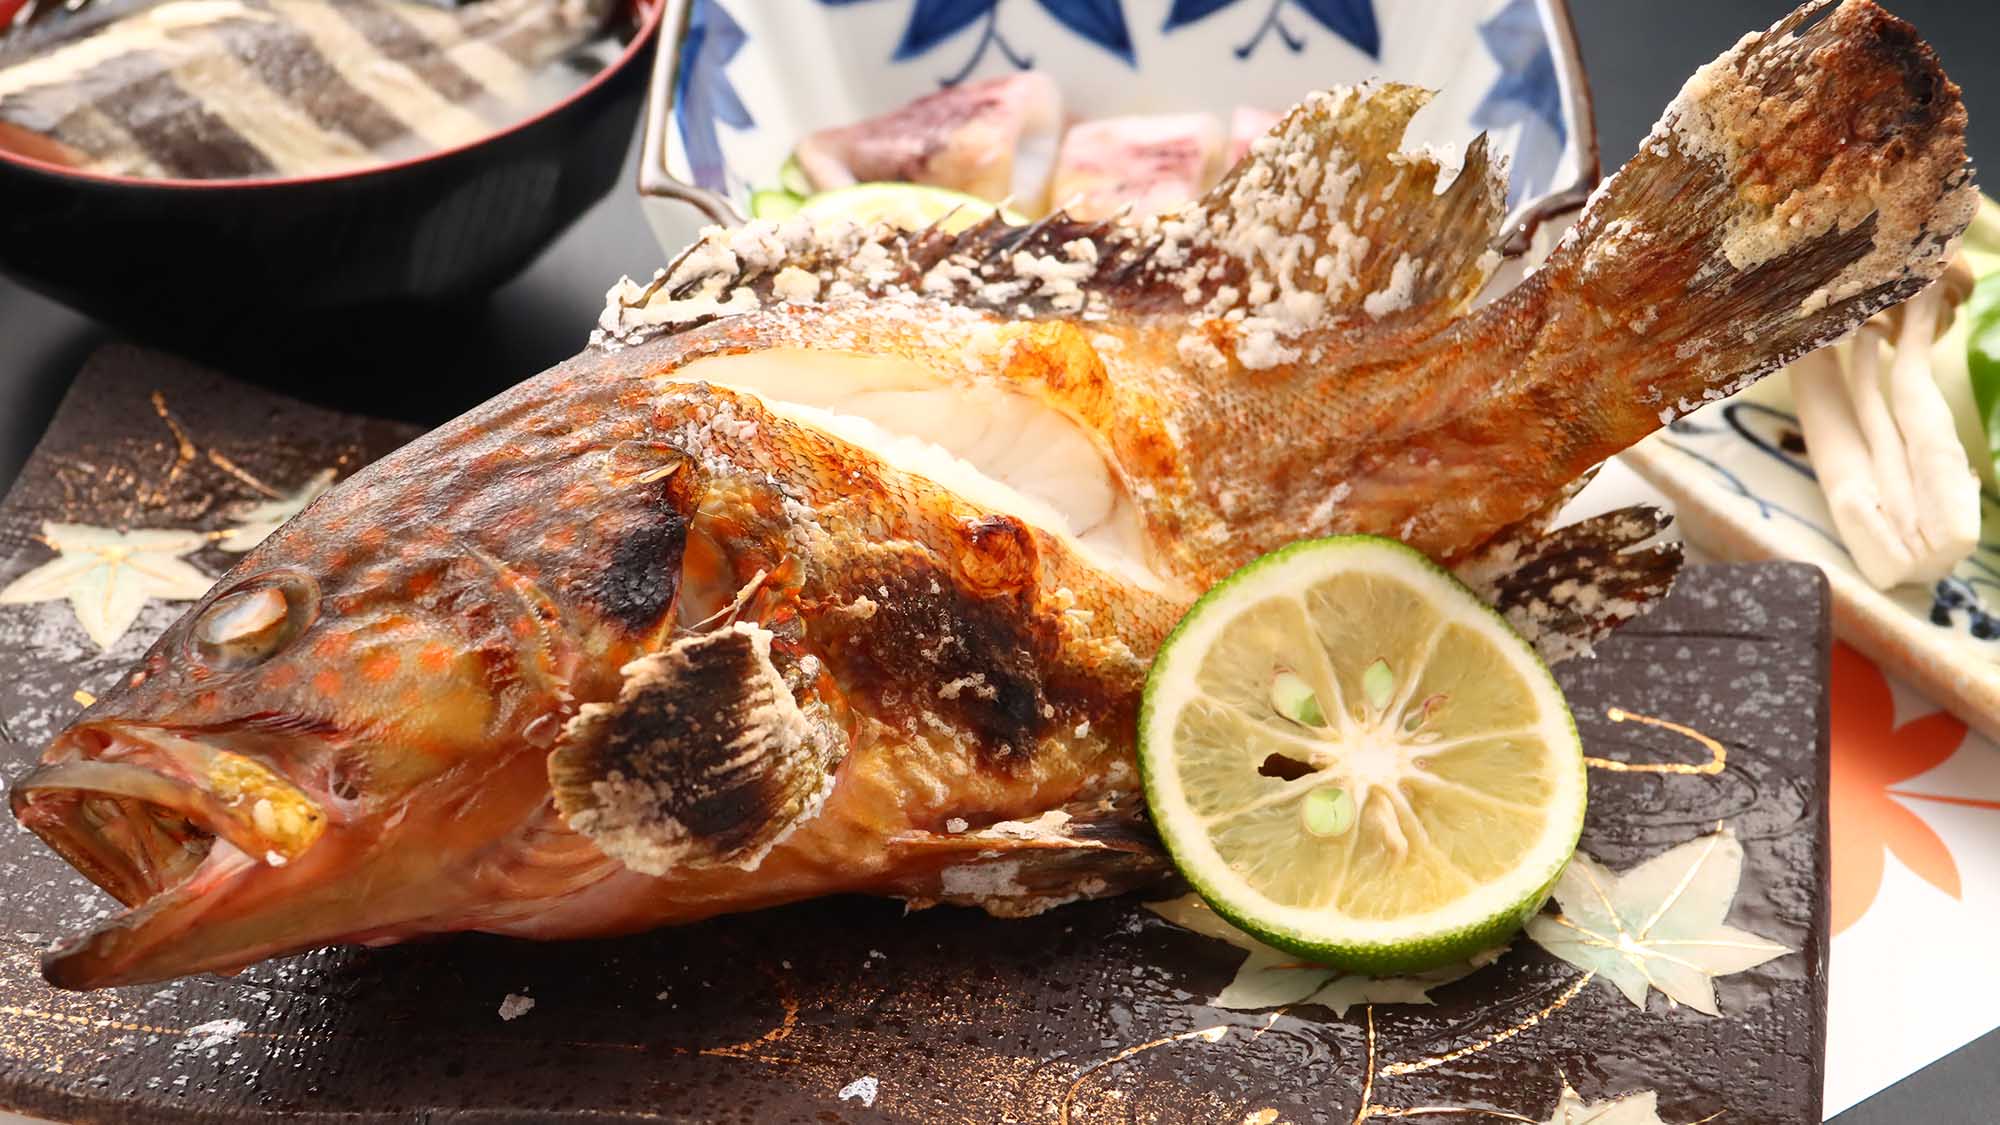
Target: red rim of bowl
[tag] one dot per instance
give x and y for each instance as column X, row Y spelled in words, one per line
column 651, row 10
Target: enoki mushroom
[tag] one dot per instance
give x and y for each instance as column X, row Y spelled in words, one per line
column 1903, row 494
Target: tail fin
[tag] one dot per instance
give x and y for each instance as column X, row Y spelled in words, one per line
column 1807, row 179
column 1804, row 181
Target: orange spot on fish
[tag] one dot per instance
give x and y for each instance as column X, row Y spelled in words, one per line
column 381, row 666
column 281, row 677
column 558, row 538
column 205, row 701
column 523, row 627
column 372, row 538
column 434, row 658
column 421, row 583
column 332, row 644
column 326, row 681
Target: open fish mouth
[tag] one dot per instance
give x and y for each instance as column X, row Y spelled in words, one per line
column 160, row 822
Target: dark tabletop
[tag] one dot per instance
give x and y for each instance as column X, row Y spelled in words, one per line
column 1639, row 52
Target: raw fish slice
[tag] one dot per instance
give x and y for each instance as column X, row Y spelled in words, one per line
column 995, row 139
column 1150, row 164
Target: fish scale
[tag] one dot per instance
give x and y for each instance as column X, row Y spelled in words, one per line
column 690, row 647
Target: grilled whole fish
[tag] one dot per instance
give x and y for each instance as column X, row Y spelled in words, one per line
column 837, row 563
column 228, row 89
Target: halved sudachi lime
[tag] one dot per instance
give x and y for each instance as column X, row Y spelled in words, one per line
column 1353, row 758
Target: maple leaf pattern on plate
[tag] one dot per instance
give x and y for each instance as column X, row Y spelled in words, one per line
column 1657, row 926
column 108, row 576
column 256, row 522
column 1642, row 1108
column 1273, row 978
column 1871, row 757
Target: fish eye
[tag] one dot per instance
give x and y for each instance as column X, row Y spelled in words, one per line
column 254, row 622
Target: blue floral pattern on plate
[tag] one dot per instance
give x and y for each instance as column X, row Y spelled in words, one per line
column 934, row 21
column 1352, row 20
column 702, row 94
column 1526, row 94
column 1955, row 601
column 743, row 84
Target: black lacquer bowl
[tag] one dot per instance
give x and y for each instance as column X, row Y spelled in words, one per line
column 192, row 262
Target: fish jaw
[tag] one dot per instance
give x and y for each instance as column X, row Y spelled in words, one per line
column 221, row 862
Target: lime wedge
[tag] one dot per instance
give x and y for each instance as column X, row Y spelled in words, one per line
column 1353, row 758
column 909, row 206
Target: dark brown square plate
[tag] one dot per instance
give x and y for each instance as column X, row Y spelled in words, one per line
column 850, row 1010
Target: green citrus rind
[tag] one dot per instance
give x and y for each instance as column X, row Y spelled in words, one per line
column 1419, row 948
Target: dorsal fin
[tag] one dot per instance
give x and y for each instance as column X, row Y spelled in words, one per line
column 1325, row 223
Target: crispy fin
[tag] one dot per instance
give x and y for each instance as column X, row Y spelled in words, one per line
column 1808, row 178
column 706, row 759
column 1567, row 589
column 1017, row 868
column 1325, row 221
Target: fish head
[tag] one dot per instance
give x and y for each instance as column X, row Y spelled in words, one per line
column 314, row 754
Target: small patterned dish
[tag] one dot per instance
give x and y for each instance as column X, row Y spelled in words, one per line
column 1743, row 488
column 740, row 82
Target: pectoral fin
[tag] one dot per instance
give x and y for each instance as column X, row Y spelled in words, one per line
column 706, row 759
column 1018, row 868
column 1567, row 589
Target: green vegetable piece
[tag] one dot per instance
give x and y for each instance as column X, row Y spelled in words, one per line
column 1982, row 358
column 792, row 177
column 1293, row 697
column 1327, row 811
column 1378, row 684
column 771, row 203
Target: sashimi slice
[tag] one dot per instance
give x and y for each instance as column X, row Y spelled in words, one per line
column 995, row 139
column 1150, row 163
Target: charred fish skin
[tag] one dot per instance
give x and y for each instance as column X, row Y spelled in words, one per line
column 226, row 89
column 909, row 667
